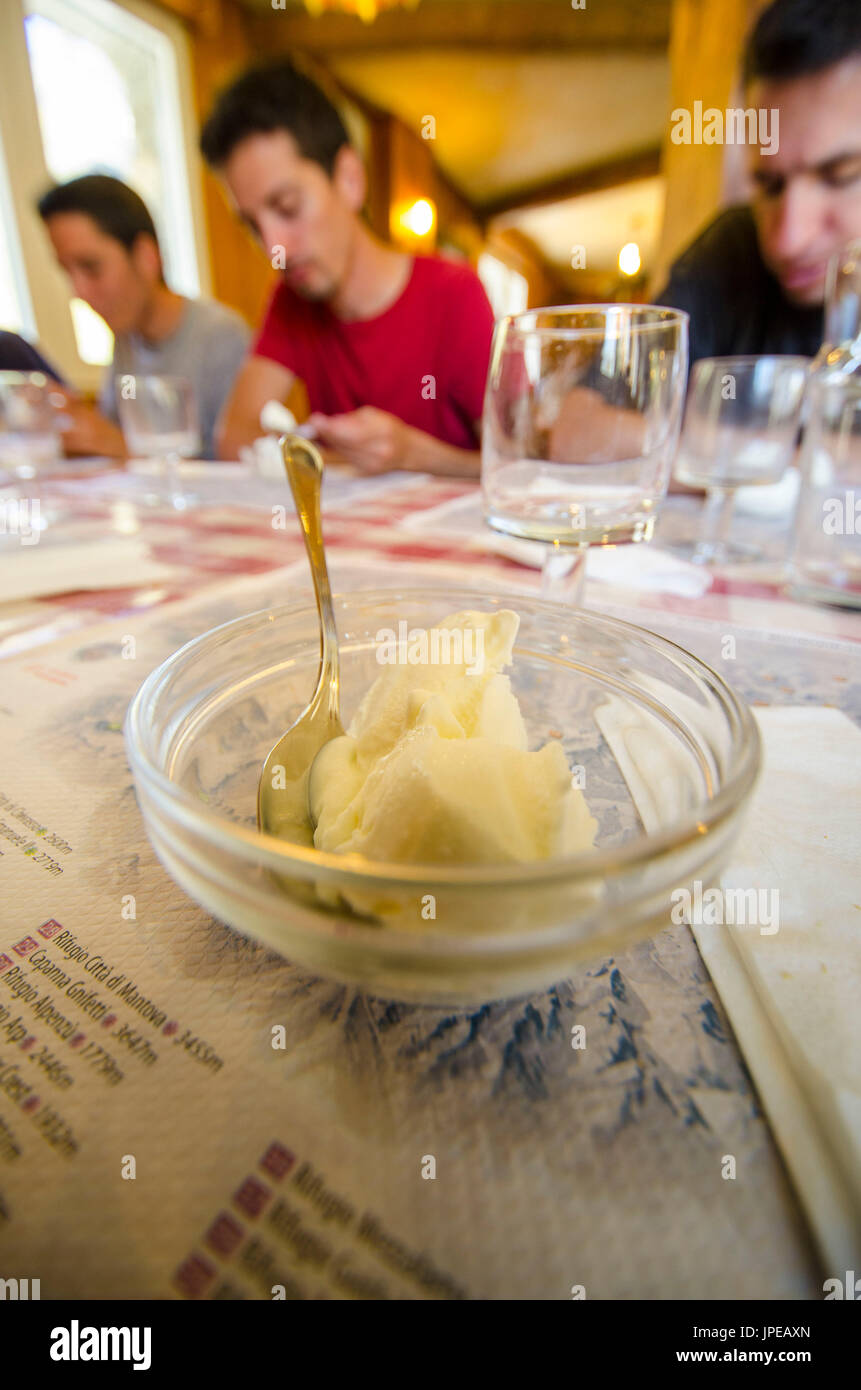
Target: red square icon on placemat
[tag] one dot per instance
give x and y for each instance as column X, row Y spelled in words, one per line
column 5, row 962
column 224, row 1234
column 252, row 1197
column 193, row 1276
column 277, row 1160
column 25, row 946
column 50, row 928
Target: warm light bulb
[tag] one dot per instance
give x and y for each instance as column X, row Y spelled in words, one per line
column 419, row 218
column 629, row 258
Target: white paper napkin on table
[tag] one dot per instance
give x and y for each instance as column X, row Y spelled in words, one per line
column 794, row 996
column 643, row 567
column 771, row 500
column 32, row 571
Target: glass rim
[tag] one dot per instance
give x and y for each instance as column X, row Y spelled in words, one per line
column 260, row 847
column 661, row 316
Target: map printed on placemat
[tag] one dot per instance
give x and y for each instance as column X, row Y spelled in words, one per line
column 484, row 1153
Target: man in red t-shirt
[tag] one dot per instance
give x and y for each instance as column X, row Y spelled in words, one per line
column 392, row 349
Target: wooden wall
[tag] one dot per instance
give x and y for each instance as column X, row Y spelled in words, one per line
column 401, row 168
column 706, row 42
column 220, row 48
column 518, row 252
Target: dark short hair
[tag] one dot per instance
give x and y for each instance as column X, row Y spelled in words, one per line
column 115, row 208
column 269, row 97
column 792, row 38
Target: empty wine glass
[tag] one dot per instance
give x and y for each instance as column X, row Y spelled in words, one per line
column 581, row 419
column 740, row 429
column 158, row 417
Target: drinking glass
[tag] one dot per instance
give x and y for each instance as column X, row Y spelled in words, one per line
column 30, row 448
column 825, row 563
column 841, row 347
column 740, row 429
column 30, row 441
column 158, row 417
column 581, row 419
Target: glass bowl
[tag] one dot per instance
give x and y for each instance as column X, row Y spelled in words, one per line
column 665, row 752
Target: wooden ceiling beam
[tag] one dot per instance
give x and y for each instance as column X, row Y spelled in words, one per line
column 521, row 25
column 594, row 178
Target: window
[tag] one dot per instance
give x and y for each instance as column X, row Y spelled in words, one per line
column 104, row 88
column 16, row 309
column 107, row 94
column 507, row 289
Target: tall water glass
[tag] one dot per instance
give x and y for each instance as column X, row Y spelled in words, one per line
column 826, row 555
column 30, row 441
column 30, row 448
column 581, row 419
column 158, row 417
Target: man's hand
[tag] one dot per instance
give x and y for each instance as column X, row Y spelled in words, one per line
column 367, row 439
column 372, row 441
column 89, row 434
column 258, row 380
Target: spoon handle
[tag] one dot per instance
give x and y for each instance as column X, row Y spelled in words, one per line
column 304, row 465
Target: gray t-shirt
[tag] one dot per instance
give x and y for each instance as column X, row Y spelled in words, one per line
column 207, row 347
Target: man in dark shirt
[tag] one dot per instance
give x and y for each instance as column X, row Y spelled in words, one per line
column 754, row 280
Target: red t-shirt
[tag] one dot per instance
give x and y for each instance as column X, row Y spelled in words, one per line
column 424, row 359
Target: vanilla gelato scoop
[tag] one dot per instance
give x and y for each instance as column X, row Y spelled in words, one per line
column 435, row 766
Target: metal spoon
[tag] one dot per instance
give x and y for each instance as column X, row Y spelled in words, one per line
column 283, row 791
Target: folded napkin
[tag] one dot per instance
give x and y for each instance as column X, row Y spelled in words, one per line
column 793, row 995
column 31, row 571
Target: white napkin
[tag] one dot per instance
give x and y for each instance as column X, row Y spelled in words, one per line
column 647, row 568
column 772, row 500
column 31, row 571
column 794, row 996
column 642, row 567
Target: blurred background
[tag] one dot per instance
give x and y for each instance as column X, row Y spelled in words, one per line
column 530, row 137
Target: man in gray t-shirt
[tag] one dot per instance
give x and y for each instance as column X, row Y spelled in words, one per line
column 105, row 240
column 207, row 347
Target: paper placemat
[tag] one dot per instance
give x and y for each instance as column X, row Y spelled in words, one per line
column 186, row 1115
